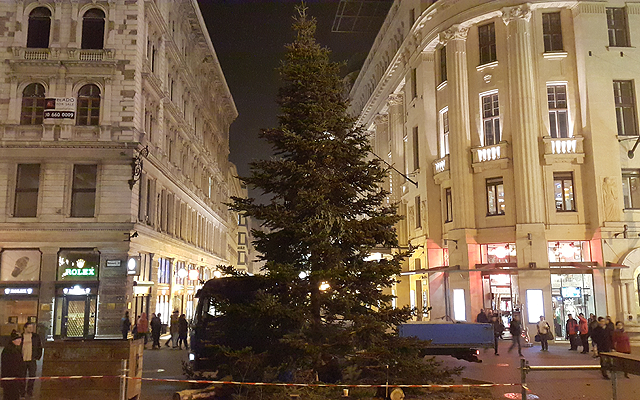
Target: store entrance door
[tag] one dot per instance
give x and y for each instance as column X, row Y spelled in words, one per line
column 500, row 293
column 79, row 316
column 571, row 294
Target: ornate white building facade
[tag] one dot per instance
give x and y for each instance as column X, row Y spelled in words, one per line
column 114, row 121
column 514, row 121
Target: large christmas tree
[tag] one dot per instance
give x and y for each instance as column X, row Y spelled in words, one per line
column 325, row 306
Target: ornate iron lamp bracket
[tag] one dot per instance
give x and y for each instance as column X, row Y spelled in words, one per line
column 136, row 165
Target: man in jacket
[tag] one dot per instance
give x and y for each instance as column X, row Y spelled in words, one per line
column 498, row 328
column 602, row 338
column 515, row 328
column 12, row 366
column 173, row 329
column 572, row 332
column 583, row 325
column 482, row 318
column 31, row 352
column 156, row 327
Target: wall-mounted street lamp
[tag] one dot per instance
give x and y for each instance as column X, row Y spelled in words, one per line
column 136, row 165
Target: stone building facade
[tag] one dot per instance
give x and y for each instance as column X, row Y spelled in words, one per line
column 114, row 121
column 511, row 123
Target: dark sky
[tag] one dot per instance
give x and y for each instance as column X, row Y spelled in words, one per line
column 249, row 38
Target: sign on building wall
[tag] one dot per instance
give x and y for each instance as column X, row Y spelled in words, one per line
column 78, row 265
column 20, row 265
column 56, row 108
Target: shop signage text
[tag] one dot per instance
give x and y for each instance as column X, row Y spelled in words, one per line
column 18, row 291
column 76, row 290
column 60, row 108
column 114, row 263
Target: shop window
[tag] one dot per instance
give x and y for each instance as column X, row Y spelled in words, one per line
column 563, row 191
column 39, row 28
column 443, row 64
column 32, row 112
column 83, row 192
column 625, row 103
column 617, row 26
column 88, row 105
column 497, row 253
column 487, row 43
column 444, row 132
column 491, row 119
column 459, row 305
column 20, row 265
column 569, row 251
column 27, row 185
column 78, row 265
column 552, row 32
column 180, row 273
column 631, row 188
column 164, row 271
column 448, row 205
column 558, row 113
column 535, row 305
column 495, row 196
column 571, row 294
column 93, row 29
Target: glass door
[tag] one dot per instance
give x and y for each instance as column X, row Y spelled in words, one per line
column 79, row 316
column 570, row 294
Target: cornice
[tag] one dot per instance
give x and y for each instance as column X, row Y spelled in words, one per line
column 455, row 32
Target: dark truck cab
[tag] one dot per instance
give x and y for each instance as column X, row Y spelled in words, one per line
column 457, row 339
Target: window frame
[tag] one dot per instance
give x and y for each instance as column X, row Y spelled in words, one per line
column 19, row 190
column 443, row 64
column 487, row 49
column 418, row 213
column 34, row 104
column 34, row 41
column 617, row 26
column 562, row 177
column 444, row 132
column 626, row 175
column 624, row 109
column 493, row 118
column 492, row 186
column 414, row 83
column 242, row 238
column 416, row 149
column 89, row 24
column 75, row 190
column 92, row 117
column 556, row 110
column 552, row 33
column 448, row 205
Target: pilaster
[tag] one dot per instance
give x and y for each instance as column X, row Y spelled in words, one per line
column 396, row 135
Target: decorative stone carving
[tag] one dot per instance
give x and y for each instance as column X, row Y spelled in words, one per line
column 396, row 99
column 381, row 119
column 456, row 32
column 610, row 199
column 522, row 11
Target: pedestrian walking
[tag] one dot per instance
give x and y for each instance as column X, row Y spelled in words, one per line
column 31, row 352
column 583, row 326
column 12, row 366
column 572, row 330
column 593, row 323
column 183, row 330
column 481, row 318
column 173, row 329
column 515, row 328
column 156, row 327
column 125, row 325
column 142, row 328
column 621, row 342
column 544, row 331
column 498, row 328
column 603, row 338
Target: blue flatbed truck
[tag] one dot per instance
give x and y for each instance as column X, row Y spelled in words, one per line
column 458, row 339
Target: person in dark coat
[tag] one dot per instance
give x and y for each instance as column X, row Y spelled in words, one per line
column 604, row 343
column 515, row 328
column 621, row 342
column 572, row 330
column 125, row 325
column 498, row 328
column 156, row 327
column 183, row 330
column 12, row 366
column 482, row 318
column 31, row 352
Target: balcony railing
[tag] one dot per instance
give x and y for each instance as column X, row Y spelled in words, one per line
column 491, row 156
column 556, row 149
column 441, row 165
column 24, row 53
column 36, row 54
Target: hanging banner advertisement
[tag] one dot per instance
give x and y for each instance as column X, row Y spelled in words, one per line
column 78, row 265
column 56, row 108
column 20, row 265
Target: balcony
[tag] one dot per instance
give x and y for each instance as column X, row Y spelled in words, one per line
column 563, row 150
column 490, row 157
column 23, row 53
column 441, row 169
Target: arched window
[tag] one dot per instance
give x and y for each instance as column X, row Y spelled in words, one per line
column 88, row 105
column 93, row 29
column 39, row 27
column 32, row 104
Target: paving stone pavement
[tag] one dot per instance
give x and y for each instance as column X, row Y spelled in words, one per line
column 547, row 385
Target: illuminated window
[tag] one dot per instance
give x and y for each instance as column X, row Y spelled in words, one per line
column 569, row 251
column 495, row 196
column 448, row 205
column 557, row 101
column 631, row 188
column 444, row 132
column 418, row 213
column 459, row 305
column 625, row 102
column 563, row 191
column 491, row 119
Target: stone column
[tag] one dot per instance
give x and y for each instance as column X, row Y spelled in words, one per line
column 396, row 136
column 624, row 298
column 381, row 143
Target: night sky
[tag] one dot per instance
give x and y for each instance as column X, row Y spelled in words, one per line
column 249, row 38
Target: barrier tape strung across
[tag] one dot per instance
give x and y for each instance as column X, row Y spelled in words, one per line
column 212, row 382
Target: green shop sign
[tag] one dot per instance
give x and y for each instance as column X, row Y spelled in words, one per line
column 76, row 269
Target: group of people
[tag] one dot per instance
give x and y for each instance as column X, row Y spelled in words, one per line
column 488, row 316
column 605, row 336
column 18, row 360
column 178, row 328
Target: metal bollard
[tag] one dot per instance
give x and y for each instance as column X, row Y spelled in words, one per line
column 523, row 378
column 123, row 380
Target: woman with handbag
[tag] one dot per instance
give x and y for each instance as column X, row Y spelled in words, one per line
column 544, row 331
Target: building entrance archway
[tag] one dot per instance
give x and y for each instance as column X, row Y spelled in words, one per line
column 627, row 281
